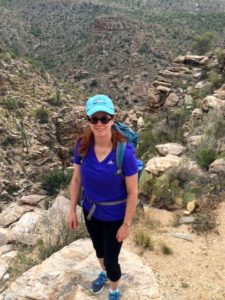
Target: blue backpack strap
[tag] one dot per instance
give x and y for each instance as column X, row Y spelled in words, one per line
column 120, row 151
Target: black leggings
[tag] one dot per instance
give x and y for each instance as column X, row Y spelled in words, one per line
column 103, row 236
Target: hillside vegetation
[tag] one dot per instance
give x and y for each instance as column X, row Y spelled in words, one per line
column 107, row 39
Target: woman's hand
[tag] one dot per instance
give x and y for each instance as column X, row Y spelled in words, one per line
column 122, row 233
column 72, row 222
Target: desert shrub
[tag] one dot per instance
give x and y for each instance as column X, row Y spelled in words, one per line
column 12, row 103
column 36, row 31
column 93, row 83
column 9, row 141
column 216, row 128
column 217, row 185
column 204, row 222
column 12, row 188
column 216, row 79
column 169, row 127
column 203, row 43
column 56, row 180
column 205, row 156
column 182, row 174
column 143, row 238
column 221, row 59
column 163, row 193
column 64, row 237
column 42, row 114
column 56, row 100
column 143, row 227
column 203, row 92
column 212, row 127
column 7, row 58
column 144, row 48
column 22, row 262
column 172, row 129
column 166, row 250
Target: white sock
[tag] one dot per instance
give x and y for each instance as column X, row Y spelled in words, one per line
column 113, row 291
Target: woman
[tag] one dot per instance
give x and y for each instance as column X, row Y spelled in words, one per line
column 108, row 198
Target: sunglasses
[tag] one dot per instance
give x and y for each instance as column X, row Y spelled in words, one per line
column 103, row 120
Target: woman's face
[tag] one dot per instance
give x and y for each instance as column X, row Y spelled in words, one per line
column 101, row 124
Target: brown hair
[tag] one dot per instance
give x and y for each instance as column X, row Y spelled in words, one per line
column 87, row 138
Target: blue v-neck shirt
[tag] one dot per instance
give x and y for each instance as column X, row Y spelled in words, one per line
column 101, row 184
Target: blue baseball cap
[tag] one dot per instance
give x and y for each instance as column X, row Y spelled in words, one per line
column 99, row 103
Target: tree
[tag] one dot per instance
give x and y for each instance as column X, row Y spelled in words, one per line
column 203, row 43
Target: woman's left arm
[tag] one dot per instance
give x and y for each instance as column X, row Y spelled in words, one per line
column 132, row 194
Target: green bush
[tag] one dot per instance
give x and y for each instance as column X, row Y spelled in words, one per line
column 42, row 114
column 64, row 237
column 56, row 100
column 143, row 238
column 94, row 83
column 8, row 141
column 162, row 191
column 203, row 43
column 204, row 222
column 144, row 48
column 12, row 188
column 7, row 58
column 168, row 127
column 36, row 31
column 181, row 174
column 216, row 79
column 12, row 104
column 56, row 180
column 23, row 261
column 166, row 249
column 205, row 156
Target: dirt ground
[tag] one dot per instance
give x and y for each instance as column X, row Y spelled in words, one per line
column 196, row 269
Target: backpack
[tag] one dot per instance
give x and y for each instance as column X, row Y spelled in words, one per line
column 132, row 138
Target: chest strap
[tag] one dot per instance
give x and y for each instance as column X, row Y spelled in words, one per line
column 94, row 205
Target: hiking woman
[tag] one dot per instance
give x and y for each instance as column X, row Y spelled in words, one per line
column 108, row 196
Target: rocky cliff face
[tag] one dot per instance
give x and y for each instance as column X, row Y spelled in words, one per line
column 32, row 136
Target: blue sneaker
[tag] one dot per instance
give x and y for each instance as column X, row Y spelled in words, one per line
column 98, row 284
column 114, row 296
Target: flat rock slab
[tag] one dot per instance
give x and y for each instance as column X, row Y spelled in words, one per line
column 67, row 274
column 13, row 213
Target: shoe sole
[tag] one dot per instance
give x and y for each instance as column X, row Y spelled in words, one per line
column 98, row 292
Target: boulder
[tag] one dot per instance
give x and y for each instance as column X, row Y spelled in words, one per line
column 7, row 254
column 27, row 228
column 46, row 225
column 221, row 93
column 171, row 100
column 31, row 199
column 192, row 59
column 163, row 89
column 13, row 213
column 197, row 114
column 158, row 165
column 188, row 100
column 5, row 236
column 140, row 122
column 170, row 148
column 68, row 273
column 218, row 166
column 211, row 102
column 194, row 140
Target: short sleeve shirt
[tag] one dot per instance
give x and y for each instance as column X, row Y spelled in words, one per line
column 101, row 183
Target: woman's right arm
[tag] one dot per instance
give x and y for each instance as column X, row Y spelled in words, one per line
column 75, row 189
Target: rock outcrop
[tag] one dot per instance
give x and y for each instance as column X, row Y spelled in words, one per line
column 68, row 273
